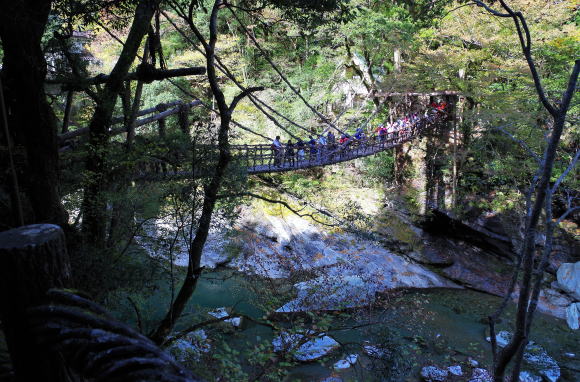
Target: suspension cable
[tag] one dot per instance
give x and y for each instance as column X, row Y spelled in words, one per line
column 187, row 93
column 110, row 33
column 275, row 67
column 253, row 98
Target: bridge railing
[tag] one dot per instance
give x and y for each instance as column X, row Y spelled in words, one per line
column 265, row 158
column 261, row 158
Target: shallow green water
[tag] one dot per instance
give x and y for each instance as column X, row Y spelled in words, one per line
column 416, row 328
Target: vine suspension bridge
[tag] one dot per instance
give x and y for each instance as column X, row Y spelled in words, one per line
column 263, row 158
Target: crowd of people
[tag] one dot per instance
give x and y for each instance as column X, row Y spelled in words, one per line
column 328, row 146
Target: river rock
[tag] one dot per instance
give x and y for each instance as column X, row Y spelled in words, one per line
column 191, row 347
column 346, row 363
column 569, row 278
column 480, row 375
column 434, row 374
column 373, row 351
column 534, row 355
column 553, row 302
column 455, row 370
column 502, row 338
column 537, row 356
column 311, row 350
column 222, row 312
column 573, row 315
column 472, row 362
column 526, row 376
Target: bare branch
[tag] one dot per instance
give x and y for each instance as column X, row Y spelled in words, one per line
column 490, row 10
column 258, row 103
column 518, row 141
column 566, row 172
column 275, row 67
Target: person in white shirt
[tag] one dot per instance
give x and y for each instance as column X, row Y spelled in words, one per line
column 322, row 147
column 277, row 151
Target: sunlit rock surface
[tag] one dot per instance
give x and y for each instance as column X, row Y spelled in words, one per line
column 569, row 279
column 344, row 271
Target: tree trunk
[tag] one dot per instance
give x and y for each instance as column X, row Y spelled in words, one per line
column 31, row 121
column 33, row 259
column 67, row 107
column 94, row 200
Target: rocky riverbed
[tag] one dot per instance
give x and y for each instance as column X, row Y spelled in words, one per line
column 332, row 271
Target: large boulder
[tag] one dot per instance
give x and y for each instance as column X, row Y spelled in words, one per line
column 553, row 302
column 569, row 279
column 355, row 280
column 487, row 233
column 475, row 268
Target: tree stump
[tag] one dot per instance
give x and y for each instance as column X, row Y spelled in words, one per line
column 33, row 259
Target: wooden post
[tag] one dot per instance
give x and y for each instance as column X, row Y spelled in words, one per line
column 184, row 118
column 161, row 127
column 33, row 259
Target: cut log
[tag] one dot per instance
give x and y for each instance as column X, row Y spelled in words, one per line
column 33, row 259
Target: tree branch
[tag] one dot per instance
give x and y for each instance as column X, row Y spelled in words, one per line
column 520, row 23
column 519, row 142
column 243, row 94
column 566, row 172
